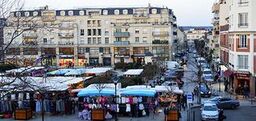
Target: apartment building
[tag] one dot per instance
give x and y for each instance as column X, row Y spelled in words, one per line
column 94, row 36
column 196, row 34
column 2, row 23
column 237, row 40
column 214, row 41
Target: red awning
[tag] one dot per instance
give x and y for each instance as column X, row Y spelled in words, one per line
column 227, row 73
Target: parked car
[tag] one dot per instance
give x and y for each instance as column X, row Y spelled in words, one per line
column 205, row 66
column 209, row 111
column 224, row 102
column 207, row 72
column 227, row 103
column 170, row 83
column 213, row 100
column 209, row 79
column 203, row 89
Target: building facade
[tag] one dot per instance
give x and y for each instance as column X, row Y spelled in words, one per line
column 94, row 36
column 237, row 40
column 214, row 42
column 2, row 23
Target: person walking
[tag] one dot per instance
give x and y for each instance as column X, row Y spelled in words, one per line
column 221, row 115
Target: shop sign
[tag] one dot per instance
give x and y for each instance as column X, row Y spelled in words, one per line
column 242, row 75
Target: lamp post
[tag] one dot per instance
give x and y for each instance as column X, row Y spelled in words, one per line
column 115, row 80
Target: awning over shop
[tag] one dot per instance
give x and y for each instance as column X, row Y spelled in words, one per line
column 138, row 92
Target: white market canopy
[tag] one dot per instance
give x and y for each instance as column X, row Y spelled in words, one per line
column 97, row 71
column 49, row 83
column 133, row 72
column 24, row 69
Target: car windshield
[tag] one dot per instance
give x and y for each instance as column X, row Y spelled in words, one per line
column 208, row 77
column 207, row 72
column 203, row 87
column 202, row 61
column 210, row 108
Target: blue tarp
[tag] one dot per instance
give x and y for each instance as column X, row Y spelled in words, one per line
column 96, row 92
column 138, row 92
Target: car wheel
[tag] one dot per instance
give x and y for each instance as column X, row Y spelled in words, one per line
column 233, row 107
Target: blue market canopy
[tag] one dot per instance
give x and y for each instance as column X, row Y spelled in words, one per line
column 75, row 72
column 96, row 92
column 138, row 92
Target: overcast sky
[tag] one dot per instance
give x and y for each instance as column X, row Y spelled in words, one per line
column 188, row 12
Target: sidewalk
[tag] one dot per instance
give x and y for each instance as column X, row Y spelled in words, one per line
column 243, row 101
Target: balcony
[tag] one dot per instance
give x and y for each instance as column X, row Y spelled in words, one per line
column 243, row 3
column 160, row 34
column 215, row 7
column 121, row 34
column 140, row 15
column 160, row 42
column 30, row 36
column 66, row 35
column 65, row 43
column 121, row 43
column 224, row 27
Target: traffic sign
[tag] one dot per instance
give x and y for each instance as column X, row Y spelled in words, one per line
column 189, row 98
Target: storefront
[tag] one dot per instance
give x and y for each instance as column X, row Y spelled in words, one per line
column 94, row 61
column 82, row 61
column 66, row 61
column 107, row 61
column 242, row 82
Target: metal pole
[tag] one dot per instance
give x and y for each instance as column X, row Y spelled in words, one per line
column 115, row 102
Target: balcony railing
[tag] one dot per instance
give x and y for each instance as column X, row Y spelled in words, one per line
column 66, row 43
column 157, row 34
column 122, row 34
column 121, row 43
column 30, row 35
column 160, row 42
column 215, row 7
column 66, row 35
column 224, row 28
column 243, row 25
column 243, row 3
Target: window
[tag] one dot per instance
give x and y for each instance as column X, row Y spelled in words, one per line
column 243, row 19
column 125, row 11
column 154, row 11
column 81, row 40
column 94, row 32
column 243, row 2
column 137, row 39
column 62, row 13
column 116, row 12
column 242, row 61
column 35, row 13
column 99, row 32
column 144, row 40
column 82, row 32
column 70, row 13
column 137, row 31
column 106, row 33
column 99, row 40
column 105, row 12
column 18, row 14
column 106, row 40
column 27, row 14
column 94, row 40
column 89, row 32
column 45, row 40
column 242, row 41
column 89, row 40
column 81, row 13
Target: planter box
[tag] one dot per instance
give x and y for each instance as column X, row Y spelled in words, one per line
column 172, row 115
column 23, row 114
column 98, row 115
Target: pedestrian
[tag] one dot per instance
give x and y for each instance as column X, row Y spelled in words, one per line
column 246, row 91
column 221, row 115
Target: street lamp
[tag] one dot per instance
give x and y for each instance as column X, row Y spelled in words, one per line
column 115, row 80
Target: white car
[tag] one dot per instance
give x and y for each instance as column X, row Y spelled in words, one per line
column 210, row 111
column 208, row 78
column 207, row 72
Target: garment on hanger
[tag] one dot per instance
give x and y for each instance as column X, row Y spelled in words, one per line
column 128, row 107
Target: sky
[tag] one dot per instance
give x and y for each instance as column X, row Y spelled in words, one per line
column 188, row 12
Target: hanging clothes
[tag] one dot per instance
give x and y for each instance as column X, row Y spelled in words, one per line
column 38, row 106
